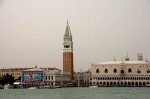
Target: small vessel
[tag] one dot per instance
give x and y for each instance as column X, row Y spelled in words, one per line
column 93, row 86
column 7, row 86
column 32, row 88
column 47, row 87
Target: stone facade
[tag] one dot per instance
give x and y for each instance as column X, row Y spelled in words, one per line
column 56, row 78
column 121, row 73
column 87, row 78
column 83, row 78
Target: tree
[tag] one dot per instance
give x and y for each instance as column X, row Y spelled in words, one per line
column 18, row 79
column 7, row 79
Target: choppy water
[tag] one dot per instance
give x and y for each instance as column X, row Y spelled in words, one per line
column 77, row 93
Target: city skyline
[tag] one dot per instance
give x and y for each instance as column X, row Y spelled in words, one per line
column 32, row 31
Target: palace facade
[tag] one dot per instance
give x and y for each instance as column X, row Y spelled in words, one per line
column 121, row 73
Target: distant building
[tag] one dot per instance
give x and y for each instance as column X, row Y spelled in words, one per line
column 54, row 77
column 87, row 78
column 79, row 78
column 38, row 76
column 34, row 76
column 15, row 72
column 68, row 52
column 121, row 73
column 83, row 78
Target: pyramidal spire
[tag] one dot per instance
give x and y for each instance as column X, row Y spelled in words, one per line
column 67, row 21
column 67, row 31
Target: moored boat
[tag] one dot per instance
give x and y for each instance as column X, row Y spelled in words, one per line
column 32, row 88
column 93, row 86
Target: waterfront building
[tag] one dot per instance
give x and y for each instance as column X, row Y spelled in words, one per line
column 68, row 52
column 79, row 78
column 45, row 76
column 34, row 76
column 87, row 77
column 83, row 78
column 121, row 73
column 15, row 72
column 54, row 77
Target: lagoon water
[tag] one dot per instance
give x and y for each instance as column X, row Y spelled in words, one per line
column 78, row 93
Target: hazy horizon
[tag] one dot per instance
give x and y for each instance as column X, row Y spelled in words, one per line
column 31, row 31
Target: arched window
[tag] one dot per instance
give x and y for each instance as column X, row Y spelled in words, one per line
column 97, row 70
column 138, row 71
column 122, row 71
column 148, row 71
column 97, row 83
column 129, row 70
column 52, row 78
column 106, row 70
column 115, row 70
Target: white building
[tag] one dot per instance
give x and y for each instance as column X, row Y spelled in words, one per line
column 83, row 78
column 121, row 73
column 54, row 77
column 87, row 78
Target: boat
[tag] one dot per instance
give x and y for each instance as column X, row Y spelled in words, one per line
column 93, row 86
column 32, row 88
column 47, row 87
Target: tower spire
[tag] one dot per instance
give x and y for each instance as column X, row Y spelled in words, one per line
column 67, row 21
column 67, row 31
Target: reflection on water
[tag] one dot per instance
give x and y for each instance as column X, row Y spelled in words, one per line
column 77, row 93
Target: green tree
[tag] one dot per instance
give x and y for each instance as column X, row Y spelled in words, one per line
column 18, row 79
column 7, row 79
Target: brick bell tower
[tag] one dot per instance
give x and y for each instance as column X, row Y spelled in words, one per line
column 68, row 52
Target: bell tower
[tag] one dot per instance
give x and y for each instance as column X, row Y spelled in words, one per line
column 68, row 52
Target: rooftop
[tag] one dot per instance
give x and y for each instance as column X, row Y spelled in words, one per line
column 34, row 69
column 124, row 62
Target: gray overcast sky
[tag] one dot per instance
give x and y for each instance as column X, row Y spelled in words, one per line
column 31, row 31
